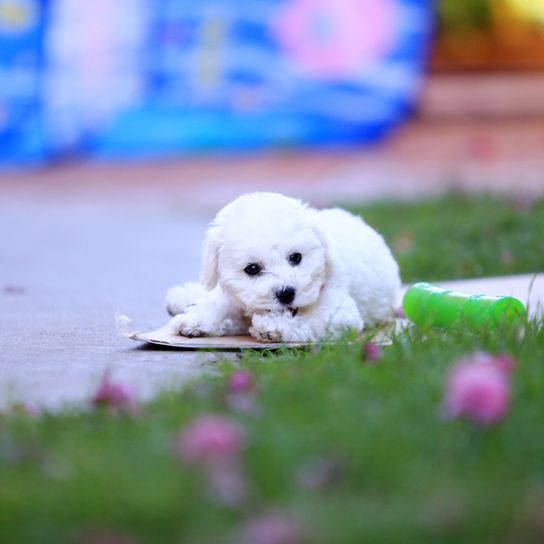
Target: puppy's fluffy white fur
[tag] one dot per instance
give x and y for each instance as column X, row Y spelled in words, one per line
column 346, row 277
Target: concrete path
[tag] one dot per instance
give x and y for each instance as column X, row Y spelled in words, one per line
column 64, row 272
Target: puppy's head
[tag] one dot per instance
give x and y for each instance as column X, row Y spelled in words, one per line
column 266, row 252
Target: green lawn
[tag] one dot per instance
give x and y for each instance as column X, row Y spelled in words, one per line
column 461, row 237
column 351, row 451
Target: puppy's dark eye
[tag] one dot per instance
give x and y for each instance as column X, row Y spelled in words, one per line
column 253, row 269
column 294, row 259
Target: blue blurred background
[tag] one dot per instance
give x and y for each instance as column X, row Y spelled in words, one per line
column 167, row 77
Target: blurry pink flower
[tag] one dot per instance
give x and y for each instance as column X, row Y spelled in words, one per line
column 478, row 388
column 210, row 439
column 215, row 442
column 114, row 396
column 241, row 391
column 502, row 361
column 399, row 313
column 371, row 352
column 240, row 381
column 335, row 39
column 272, row 527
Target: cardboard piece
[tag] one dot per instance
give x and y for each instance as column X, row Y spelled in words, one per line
column 529, row 288
column 166, row 337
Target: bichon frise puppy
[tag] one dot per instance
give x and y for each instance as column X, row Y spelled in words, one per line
column 284, row 272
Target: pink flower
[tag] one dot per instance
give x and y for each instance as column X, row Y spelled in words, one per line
column 241, row 391
column 211, row 440
column 478, row 388
column 272, row 527
column 371, row 352
column 240, row 381
column 335, row 39
column 214, row 443
column 114, row 396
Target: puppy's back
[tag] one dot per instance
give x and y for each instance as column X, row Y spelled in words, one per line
column 361, row 262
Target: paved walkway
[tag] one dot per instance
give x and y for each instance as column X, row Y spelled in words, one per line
column 64, row 272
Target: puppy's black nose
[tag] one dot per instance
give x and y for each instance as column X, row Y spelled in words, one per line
column 285, row 295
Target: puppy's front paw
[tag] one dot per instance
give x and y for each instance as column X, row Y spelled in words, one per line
column 192, row 322
column 270, row 327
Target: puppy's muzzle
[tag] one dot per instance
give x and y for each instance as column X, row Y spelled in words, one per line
column 286, row 295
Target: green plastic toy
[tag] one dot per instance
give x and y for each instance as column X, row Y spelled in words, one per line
column 427, row 305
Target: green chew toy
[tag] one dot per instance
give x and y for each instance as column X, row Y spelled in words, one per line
column 427, row 305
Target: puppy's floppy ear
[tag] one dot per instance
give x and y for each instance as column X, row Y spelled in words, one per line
column 318, row 231
column 209, row 273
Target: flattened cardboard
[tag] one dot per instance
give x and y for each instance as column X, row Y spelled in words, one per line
column 166, row 337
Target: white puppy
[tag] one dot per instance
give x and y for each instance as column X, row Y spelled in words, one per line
column 285, row 272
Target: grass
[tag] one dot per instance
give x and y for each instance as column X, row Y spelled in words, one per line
column 460, row 236
column 356, row 452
